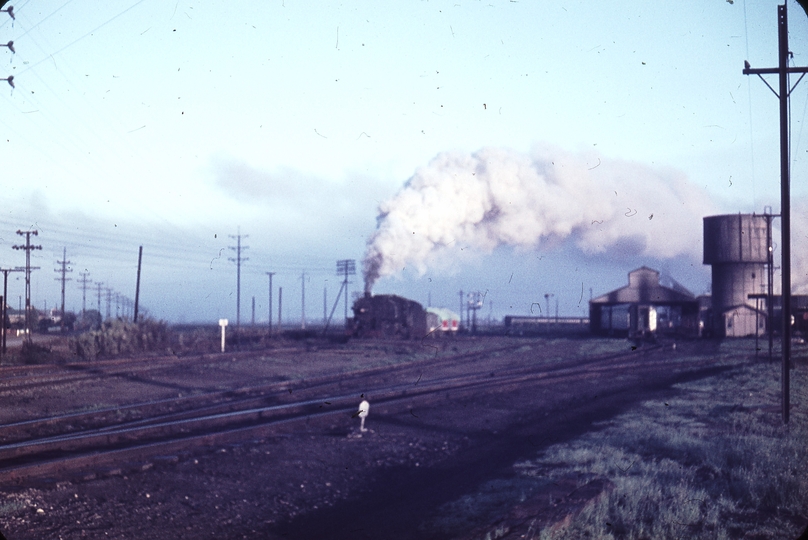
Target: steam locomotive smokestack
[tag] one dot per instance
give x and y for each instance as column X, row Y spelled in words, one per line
column 370, row 269
column 499, row 197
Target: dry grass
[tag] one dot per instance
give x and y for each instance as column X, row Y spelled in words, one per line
column 715, row 462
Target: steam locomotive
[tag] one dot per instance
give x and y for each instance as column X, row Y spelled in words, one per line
column 393, row 317
column 388, row 316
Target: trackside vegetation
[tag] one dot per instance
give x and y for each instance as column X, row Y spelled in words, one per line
column 120, row 337
column 713, row 462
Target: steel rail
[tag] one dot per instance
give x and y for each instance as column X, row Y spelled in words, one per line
column 203, row 428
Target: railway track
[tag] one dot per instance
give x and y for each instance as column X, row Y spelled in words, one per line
column 65, row 444
column 25, row 377
column 256, row 395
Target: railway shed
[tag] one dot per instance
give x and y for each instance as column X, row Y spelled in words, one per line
column 644, row 307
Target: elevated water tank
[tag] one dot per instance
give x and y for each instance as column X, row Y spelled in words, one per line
column 736, row 247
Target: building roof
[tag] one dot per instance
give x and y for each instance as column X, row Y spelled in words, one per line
column 743, row 307
column 644, row 288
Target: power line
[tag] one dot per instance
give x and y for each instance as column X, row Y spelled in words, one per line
column 84, row 282
column 64, row 270
column 783, row 95
column 270, row 274
column 4, row 307
column 99, row 297
column 346, row 267
column 303, row 301
column 35, row 64
column 28, row 248
column 109, row 302
column 238, row 248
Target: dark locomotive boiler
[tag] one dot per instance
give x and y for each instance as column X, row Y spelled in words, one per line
column 388, row 316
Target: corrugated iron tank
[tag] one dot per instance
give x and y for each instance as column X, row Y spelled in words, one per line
column 736, row 247
column 388, row 316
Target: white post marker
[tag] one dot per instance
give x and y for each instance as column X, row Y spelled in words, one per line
column 223, row 323
column 364, row 407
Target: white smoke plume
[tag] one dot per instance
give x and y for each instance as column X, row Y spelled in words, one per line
column 499, row 197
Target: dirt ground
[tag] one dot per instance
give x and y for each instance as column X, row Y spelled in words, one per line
column 404, row 478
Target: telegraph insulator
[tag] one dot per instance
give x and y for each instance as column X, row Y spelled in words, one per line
column 10, row 46
column 10, row 11
column 10, row 80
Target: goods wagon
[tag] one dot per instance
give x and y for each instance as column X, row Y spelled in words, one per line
column 388, row 316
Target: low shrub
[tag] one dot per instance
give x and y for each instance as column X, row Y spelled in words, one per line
column 119, row 337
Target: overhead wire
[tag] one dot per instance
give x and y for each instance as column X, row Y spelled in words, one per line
column 79, row 118
column 79, row 144
column 83, row 36
column 176, row 255
column 802, row 122
column 749, row 101
column 109, row 248
column 21, row 9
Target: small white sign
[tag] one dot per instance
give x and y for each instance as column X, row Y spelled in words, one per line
column 223, row 323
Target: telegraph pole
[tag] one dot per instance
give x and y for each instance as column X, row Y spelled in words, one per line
column 109, row 302
column 84, row 282
column 137, row 286
column 270, row 274
column 238, row 248
column 64, row 270
column 99, row 298
column 303, row 302
column 4, row 307
column 461, row 308
column 785, row 90
column 475, row 302
column 28, row 248
column 346, row 267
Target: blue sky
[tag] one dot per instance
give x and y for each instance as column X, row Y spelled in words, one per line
column 174, row 125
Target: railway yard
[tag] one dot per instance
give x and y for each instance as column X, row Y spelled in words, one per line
column 267, row 443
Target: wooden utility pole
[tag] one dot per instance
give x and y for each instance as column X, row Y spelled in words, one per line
column 303, row 302
column 460, row 294
column 270, row 274
column 137, row 286
column 109, row 302
column 28, row 308
column 238, row 248
column 345, row 268
column 280, row 309
column 4, row 302
column 63, row 270
column 99, row 300
column 783, row 71
column 84, row 282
